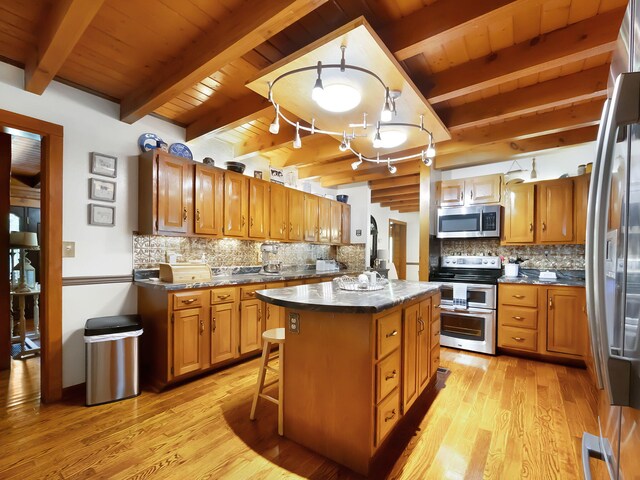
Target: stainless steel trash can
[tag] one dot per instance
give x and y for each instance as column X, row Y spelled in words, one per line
column 111, row 348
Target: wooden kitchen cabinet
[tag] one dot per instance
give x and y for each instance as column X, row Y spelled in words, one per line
column 296, row 215
column 310, row 217
column 223, row 332
column 324, row 220
column 519, row 220
column 580, row 202
column 209, row 200
column 566, row 321
column 188, row 332
column 336, row 222
column 236, row 199
column 555, row 211
column 452, row 193
column 250, row 326
column 483, row 189
column 278, row 212
column 346, row 224
column 274, row 315
column 424, row 344
column 259, row 199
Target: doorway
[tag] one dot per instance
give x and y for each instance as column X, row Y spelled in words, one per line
column 398, row 247
column 50, row 248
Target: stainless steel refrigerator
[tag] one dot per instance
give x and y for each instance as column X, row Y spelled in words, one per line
column 613, row 265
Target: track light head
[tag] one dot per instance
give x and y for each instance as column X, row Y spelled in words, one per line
column 392, row 168
column 377, row 139
column 344, row 145
column 297, row 141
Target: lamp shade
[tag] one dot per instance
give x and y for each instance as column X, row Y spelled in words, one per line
column 383, row 254
column 23, row 239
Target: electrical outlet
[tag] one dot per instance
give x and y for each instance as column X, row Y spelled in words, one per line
column 294, row 322
column 69, row 249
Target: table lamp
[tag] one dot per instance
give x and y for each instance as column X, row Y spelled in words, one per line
column 23, row 241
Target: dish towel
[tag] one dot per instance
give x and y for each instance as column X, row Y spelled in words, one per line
column 460, row 295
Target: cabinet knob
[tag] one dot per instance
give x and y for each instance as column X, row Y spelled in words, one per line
column 213, row 324
column 390, row 417
column 201, row 327
column 391, row 375
column 519, row 297
column 243, row 222
column 531, row 227
column 544, row 226
column 184, row 214
column 518, row 318
column 392, row 334
column 197, row 214
column 518, row 339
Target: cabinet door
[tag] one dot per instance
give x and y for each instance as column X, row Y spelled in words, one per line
column 275, row 316
column 296, row 214
column 565, row 321
column 324, row 220
column 424, row 344
column 410, row 356
column 174, row 193
column 209, row 197
column 188, row 329
column 346, row 224
column 452, row 193
column 310, row 218
column 235, row 205
column 223, row 332
column 278, row 212
column 555, row 211
column 581, row 199
column 336, row 222
column 519, row 213
column 484, row 189
column 258, row 208
column 250, row 325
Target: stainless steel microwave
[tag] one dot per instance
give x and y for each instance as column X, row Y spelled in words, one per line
column 469, row 222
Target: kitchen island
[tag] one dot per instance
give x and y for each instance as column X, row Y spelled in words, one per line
column 355, row 363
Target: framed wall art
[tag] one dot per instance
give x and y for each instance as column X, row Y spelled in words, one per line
column 102, row 215
column 104, row 165
column 102, row 190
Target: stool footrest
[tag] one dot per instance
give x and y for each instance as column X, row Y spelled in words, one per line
column 270, row 398
column 269, row 383
column 271, row 369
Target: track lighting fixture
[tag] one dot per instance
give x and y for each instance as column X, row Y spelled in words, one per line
column 297, row 142
column 431, row 150
column 392, row 168
column 386, row 114
column 377, row 139
column 426, row 159
column 344, row 145
column 318, row 88
column 275, row 125
column 357, row 163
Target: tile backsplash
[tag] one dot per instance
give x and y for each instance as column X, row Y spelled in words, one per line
column 149, row 250
column 558, row 257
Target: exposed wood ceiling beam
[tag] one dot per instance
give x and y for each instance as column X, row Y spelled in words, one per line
column 562, row 91
column 241, row 111
column 407, row 209
column 32, row 181
column 267, row 141
column 503, row 151
column 441, row 22
column 390, row 192
column 396, row 198
column 394, row 182
column 380, row 172
column 63, row 26
column 401, row 204
column 241, row 32
column 594, row 36
column 313, row 148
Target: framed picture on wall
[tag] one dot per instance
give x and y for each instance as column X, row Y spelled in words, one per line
column 102, row 190
column 104, row 165
column 102, row 215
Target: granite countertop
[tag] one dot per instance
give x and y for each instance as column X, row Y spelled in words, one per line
column 241, row 279
column 566, row 278
column 328, row 297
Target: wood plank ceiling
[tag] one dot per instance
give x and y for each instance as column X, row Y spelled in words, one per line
column 506, row 76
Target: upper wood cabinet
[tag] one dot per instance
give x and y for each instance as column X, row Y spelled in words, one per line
column 324, row 220
column 209, row 199
column 310, row 217
column 581, row 200
column 259, row 200
column 336, row 222
column 452, row 193
column 175, row 177
column 278, row 212
column 296, row 215
column 346, row 224
column 555, row 211
column 484, row 189
column 236, row 198
column 519, row 221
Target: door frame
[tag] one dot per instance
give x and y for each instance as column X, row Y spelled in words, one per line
column 51, row 250
column 399, row 268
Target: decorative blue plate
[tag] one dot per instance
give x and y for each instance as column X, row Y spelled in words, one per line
column 180, row 150
column 148, row 141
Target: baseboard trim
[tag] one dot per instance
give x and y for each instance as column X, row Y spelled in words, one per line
column 96, row 280
column 74, row 392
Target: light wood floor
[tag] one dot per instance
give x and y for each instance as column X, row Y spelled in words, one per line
column 498, row 418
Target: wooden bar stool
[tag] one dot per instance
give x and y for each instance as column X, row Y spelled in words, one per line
column 275, row 335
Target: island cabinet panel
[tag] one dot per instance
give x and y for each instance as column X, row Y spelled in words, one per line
column 209, row 199
column 278, row 212
column 387, row 415
column 388, row 333
column 250, row 325
column 555, row 211
column 336, row 223
column 296, row 215
column 346, row 224
column 519, row 219
column 188, row 340
column 324, row 220
column 387, row 375
column 223, row 332
column 410, row 356
column 175, row 177
column 424, row 344
column 236, row 200
column 258, row 208
column 310, row 218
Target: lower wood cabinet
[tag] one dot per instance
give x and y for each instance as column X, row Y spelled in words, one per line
column 250, row 326
column 188, row 340
column 223, row 332
column 545, row 320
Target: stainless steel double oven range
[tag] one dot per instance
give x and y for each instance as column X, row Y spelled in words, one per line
column 469, row 300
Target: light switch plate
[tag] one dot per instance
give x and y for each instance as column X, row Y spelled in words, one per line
column 69, row 249
column 294, row 322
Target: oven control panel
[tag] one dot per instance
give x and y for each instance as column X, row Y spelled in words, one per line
column 471, row 262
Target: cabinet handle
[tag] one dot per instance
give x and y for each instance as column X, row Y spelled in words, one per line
column 392, row 334
column 390, row 417
column 518, row 339
column 251, row 221
column 470, row 194
column 201, row 327
column 391, row 375
column 268, row 312
column 550, row 303
column 531, row 227
column 435, row 334
column 251, row 294
column 243, row 222
column 189, row 302
column 197, row 214
column 518, row 318
column 222, row 297
column 184, row 214
column 213, row 324
column 544, row 226
column 259, row 314
column 461, row 196
column 290, row 227
column 519, row 297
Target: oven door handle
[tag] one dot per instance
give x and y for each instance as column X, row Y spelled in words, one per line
column 468, row 312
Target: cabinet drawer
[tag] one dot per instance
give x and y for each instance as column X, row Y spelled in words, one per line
column 435, row 360
column 518, row 317
column 520, row 295
column 387, row 375
column 388, row 333
column 387, row 415
column 182, row 300
column 275, row 285
column 435, row 333
column 223, row 295
column 520, row 338
column 295, row 283
column 249, row 293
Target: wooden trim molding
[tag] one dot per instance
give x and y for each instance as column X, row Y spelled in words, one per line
column 97, row 280
column 5, row 173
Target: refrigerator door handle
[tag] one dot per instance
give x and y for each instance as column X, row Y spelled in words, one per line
column 624, row 110
column 589, row 249
column 590, row 449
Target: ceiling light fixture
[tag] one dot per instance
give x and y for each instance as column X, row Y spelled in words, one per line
column 342, row 97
